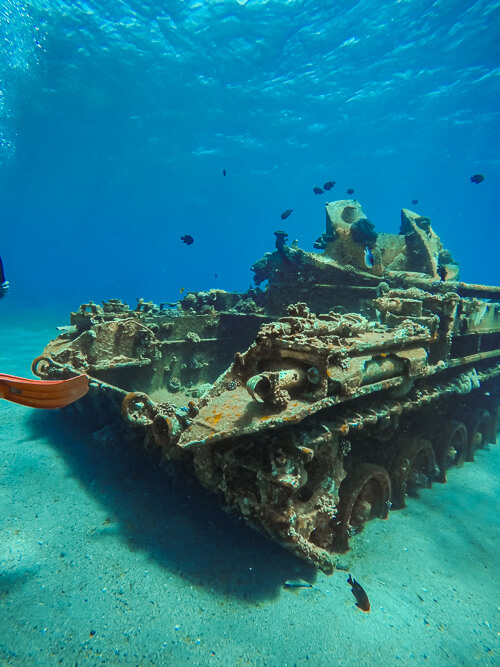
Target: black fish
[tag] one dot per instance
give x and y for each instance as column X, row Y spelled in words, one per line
column 317, row 191
column 329, row 185
column 187, row 239
column 2, row 274
column 477, row 178
column 362, row 601
column 223, row 172
column 442, row 272
column 414, row 201
column 350, row 191
column 286, row 213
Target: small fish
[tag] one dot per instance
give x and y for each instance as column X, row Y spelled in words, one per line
column 286, row 213
column 298, row 583
column 477, row 178
column 317, row 191
column 362, row 601
column 187, row 239
column 181, row 290
column 369, row 258
column 350, row 191
column 414, row 201
column 223, row 172
column 329, row 185
column 216, row 276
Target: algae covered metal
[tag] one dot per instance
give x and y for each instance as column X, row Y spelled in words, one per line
column 362, row 371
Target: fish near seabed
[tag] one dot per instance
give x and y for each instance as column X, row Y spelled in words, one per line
column 286, row 213
column 369, row 258
column 298, row 583
column 362, row 601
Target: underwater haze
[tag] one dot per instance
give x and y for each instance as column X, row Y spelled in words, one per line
column 118, row 118
column 128, row 124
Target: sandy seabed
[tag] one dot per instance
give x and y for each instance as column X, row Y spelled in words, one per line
column 106, row 559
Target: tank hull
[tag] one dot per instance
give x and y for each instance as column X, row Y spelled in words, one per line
column 306, row 417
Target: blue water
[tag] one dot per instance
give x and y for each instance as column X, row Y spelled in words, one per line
column 117, row 119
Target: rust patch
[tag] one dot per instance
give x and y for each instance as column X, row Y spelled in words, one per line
column 214, row 419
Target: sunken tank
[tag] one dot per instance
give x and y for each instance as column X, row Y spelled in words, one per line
column 362, row 372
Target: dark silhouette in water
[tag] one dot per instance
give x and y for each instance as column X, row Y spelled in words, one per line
column 4, row 284
column 362, row 601
column 317, row 191
column 477, row 178
column 281, row 239
column 187, row 239
column 363, row 232
column 286, row 213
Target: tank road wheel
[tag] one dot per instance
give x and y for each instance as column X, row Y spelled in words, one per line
column 413, row 467
column 364, row 494
column 138, row 409
column 41, row 365
column 450, row 446
column 479, row 428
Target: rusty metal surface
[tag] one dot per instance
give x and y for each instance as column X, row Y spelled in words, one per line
column 310, row 405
